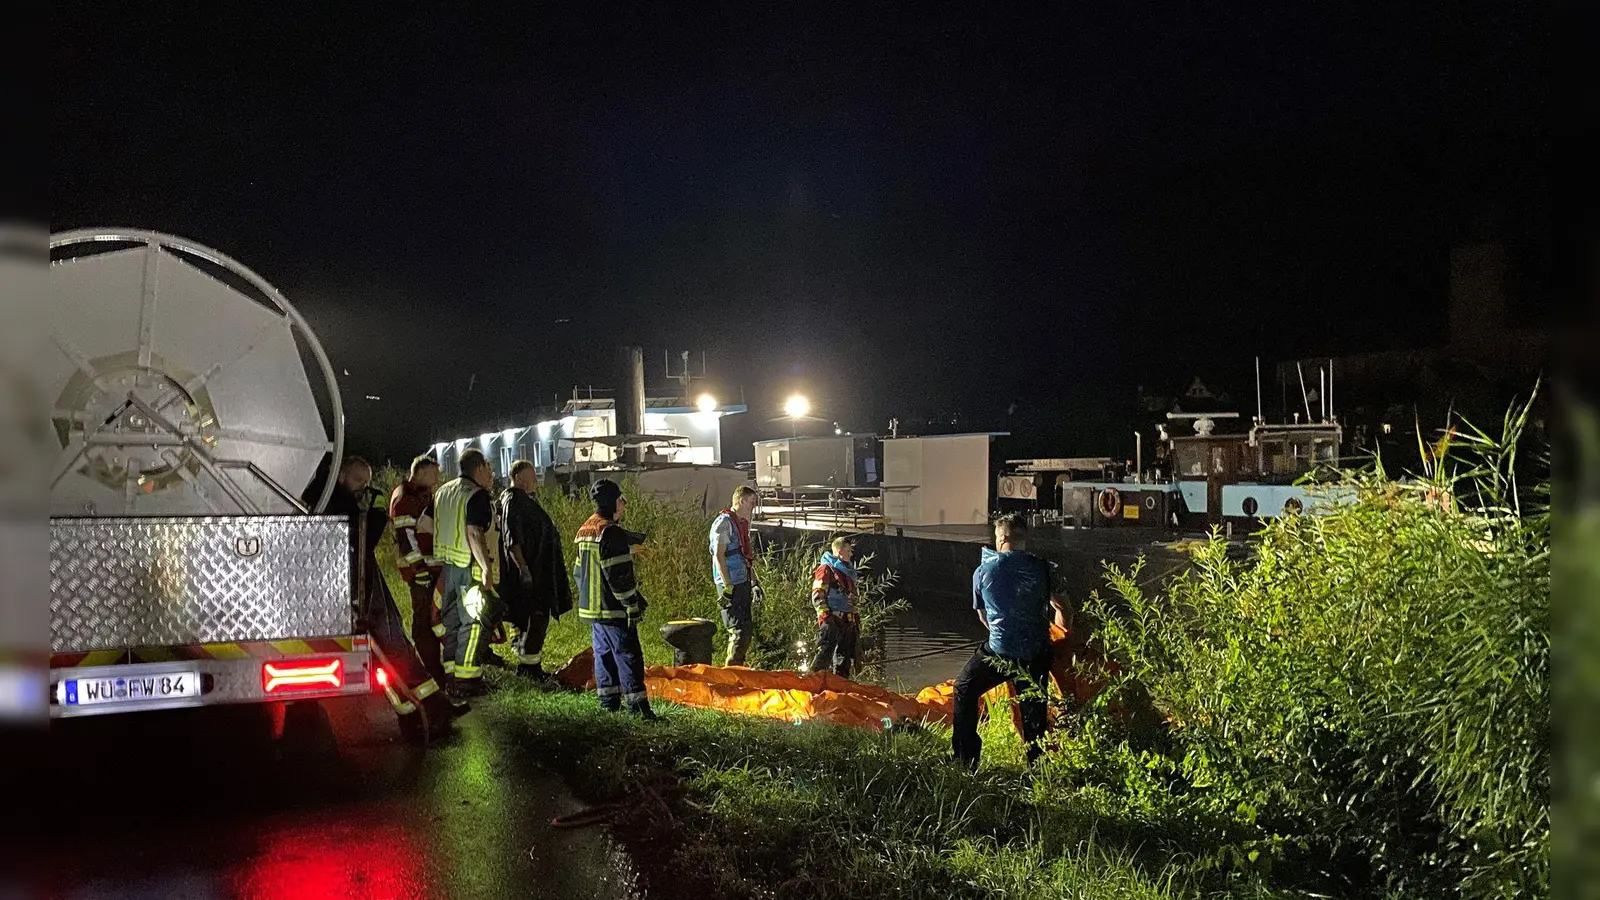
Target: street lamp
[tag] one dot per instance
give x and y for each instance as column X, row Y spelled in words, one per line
column 706, row 403
column 796, row 408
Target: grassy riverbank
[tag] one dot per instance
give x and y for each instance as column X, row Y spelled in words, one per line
column 1358, row 710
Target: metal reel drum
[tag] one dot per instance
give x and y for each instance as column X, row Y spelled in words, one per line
column 180, row 382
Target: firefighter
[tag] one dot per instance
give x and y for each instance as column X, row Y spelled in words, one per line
column 833, row 593
column 733, row 570
column 1011, row 592
column 354, row 498
column 610, row 601
column 411, row 513
column 533, row 571
column 462, row 515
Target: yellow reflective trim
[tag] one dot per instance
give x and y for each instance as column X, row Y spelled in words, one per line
column 449, row 666
column 472, row 647
column 411, row 558
column 292, row 648
column 405, row 521
column 469, row 672
column 227, row 651
column 626, row 594
column 426, row 689
column 610, row 561
column 438, row 630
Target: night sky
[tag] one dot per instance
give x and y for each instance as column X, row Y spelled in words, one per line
column 1008, row 220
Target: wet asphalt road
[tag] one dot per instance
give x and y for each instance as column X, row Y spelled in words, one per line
column 302, row 803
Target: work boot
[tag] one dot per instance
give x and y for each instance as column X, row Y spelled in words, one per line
column 464, row 688
column 533, row 673
column 645, row 713
column 438, row 728
column 442, row 707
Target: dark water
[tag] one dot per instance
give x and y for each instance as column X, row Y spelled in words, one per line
column 938, row 633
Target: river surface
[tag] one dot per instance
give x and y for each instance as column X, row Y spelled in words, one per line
column 930, row 642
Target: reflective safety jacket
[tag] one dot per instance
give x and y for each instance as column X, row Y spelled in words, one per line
column 608, row 590
column 740, row 553
column 450, row 521
column 833, row 584
column 411, row 511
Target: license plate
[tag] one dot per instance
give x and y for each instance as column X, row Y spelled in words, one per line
column 132, row 688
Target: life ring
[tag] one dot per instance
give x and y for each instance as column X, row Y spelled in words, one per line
column 1109, row 502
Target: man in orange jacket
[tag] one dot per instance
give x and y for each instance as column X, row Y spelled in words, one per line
column 411, row 512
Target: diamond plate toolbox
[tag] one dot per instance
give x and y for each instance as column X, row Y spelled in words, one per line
column 151, row 582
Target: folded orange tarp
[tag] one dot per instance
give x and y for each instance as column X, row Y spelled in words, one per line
column 821, row 696
column 790, row 696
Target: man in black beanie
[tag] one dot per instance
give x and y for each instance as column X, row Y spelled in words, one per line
column 610, row 601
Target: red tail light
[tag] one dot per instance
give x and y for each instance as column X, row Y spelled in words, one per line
column 302, row 675
column 383, row 677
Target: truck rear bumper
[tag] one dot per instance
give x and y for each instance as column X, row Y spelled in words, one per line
column 207, row 675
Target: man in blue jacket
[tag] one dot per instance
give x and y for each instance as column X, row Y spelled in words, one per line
column 1012, row 595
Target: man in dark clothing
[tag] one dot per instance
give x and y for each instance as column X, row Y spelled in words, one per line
column 533, row 570
column 1012, row 594
column 611, row 602
column 368, row 513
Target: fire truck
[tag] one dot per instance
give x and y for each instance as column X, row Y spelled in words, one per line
column 192, row 407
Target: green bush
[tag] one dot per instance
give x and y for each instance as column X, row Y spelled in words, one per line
column 1365, row 700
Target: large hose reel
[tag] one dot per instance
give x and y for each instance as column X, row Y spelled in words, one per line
column 182, row 382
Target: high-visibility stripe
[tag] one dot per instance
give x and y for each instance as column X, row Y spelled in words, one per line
column 473, row 634
column 405, row 521
column 411, row 558
column 90, row 658
column 449, row 667
column 603, row 614
column 401, row 705
column 609, row 690
column 467, row 673
column 530, row 659
column 426, row 689
column 635, row 696
column 610, row 561
column 221, row 650
column 628, row 593
column 438, row 630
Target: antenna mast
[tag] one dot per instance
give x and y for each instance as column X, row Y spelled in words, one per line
column 1304, row 399
column 1260, row 419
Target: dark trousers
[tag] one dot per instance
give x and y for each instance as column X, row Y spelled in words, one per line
column 530, row 644
column 836, row 645
column 532, row 619
column 388, row 632
column 618, row 665
column 984, row 672
column 424, row 630
column 739, row 620
column 467, row 628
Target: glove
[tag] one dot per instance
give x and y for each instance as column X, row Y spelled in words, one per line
column 757, row 595
column 526, row 580
column 725, row 598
